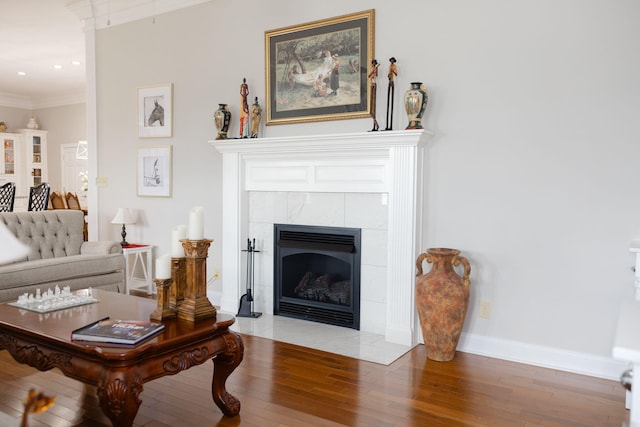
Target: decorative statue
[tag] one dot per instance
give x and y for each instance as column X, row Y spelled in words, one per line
column 392, row 74
column 256, row 116
column 244, row 110
column 373, row 78
column 32, row 124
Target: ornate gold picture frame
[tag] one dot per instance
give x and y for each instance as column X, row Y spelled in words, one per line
column 318, row 70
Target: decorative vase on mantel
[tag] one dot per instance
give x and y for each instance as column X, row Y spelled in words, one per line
column 222, row 119
column 415, row 102
column 442, row 298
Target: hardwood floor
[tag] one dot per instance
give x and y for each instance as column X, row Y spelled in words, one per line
column 282, row 385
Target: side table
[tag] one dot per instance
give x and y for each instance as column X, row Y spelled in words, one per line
column 138, row 257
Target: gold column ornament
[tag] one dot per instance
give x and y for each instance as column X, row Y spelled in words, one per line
column 196, row 305
column 179, row 284
column 163, row 311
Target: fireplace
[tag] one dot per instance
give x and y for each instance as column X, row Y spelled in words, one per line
column 267, row 181
column 317, row 274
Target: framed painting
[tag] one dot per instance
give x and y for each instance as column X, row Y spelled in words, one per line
column 155, row 111
column 154, row 171
column 318, row 70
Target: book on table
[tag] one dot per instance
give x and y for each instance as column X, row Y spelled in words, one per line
column 117, row 331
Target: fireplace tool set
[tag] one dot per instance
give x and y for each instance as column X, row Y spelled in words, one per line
column 246, row 301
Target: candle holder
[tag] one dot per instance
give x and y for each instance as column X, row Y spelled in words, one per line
column 163, row 311
column 179, row 276
column 196, row 305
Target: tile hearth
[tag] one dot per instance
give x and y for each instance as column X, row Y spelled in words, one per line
column 332, row 339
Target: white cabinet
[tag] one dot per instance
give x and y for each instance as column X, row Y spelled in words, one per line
column 11, row 158
column 35, row 156
column 23, row 160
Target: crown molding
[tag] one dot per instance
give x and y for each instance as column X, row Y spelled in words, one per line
column 15, row 101
column 27, row 103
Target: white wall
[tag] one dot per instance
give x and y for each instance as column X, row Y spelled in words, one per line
column 66, row 124
column 532, row 171
column 14, row 118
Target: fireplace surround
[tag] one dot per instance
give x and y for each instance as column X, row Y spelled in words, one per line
column 385, row 166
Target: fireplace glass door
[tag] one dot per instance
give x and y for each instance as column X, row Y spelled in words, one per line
column 317, row 274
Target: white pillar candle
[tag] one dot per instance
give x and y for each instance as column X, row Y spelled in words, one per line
column 163, row 267
column 177, row 233
column 196, row 223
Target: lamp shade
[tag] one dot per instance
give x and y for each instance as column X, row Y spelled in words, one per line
column 123, row 216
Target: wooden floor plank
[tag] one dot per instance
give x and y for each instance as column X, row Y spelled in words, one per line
column 284, row 385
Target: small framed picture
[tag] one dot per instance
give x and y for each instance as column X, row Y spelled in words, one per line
column 154, row 171
column 155, row 111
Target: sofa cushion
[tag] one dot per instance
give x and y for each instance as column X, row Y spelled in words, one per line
column 58, row 269
column 49, row 234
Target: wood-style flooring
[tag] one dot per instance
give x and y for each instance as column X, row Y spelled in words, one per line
column 282, row 385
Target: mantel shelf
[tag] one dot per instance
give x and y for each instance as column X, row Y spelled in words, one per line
column 331, row 142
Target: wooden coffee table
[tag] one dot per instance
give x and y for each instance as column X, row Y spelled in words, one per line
column 43, row 341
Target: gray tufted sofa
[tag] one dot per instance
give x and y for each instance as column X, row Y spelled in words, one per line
column 59, row 255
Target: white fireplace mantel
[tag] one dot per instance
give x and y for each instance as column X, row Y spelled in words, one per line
column 388, row 162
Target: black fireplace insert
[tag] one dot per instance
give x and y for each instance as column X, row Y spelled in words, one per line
column 317, row 274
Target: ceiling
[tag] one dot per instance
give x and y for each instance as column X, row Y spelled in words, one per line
column 36, row 35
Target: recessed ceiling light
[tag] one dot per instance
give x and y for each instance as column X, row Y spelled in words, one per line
column 75, row 62
column 58, row 67
column 22, row 73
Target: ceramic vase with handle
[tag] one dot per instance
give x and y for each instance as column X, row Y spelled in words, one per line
column 415, row 102
column 442, row 298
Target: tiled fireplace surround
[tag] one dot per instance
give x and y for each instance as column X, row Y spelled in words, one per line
column 369, row 180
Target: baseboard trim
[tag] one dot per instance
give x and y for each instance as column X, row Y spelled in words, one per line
column 547, row 357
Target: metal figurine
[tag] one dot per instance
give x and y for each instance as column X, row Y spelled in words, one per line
column 392, row 74
column 373, row 79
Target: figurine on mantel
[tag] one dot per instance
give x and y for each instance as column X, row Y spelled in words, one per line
column 256, row 117
column 373, row 79
column 244, row 109
column 391, row 74
column 32, row 123
column 3, row 127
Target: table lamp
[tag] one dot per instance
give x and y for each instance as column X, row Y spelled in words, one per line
column 123, row 216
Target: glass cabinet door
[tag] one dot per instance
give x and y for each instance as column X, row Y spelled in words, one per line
column 36, row 172
column 9, row 156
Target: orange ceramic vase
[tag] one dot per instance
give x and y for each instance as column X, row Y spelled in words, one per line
column 442, row 298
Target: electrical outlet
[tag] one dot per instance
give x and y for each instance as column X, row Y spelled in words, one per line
column 485, row 310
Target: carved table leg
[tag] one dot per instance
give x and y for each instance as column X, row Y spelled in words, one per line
column 224, row 365
column 118, row 393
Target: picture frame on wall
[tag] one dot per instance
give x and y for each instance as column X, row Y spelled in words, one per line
column 155, row 111
column 154, row 173
column 318, row 70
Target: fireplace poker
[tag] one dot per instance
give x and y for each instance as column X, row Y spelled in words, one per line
column 246, row 301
